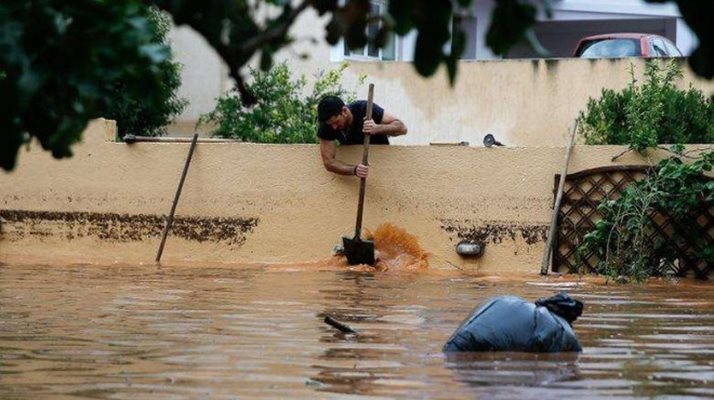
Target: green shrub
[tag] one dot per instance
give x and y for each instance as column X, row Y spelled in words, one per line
column 644, row 116
column 283, row 114
column 137, row 115
column 621, row 240
column 651, row 113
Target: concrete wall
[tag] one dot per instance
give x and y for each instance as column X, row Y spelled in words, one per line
column 275, row 203
column 521, row 102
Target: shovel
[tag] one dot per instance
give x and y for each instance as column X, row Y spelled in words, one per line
column 357, row 250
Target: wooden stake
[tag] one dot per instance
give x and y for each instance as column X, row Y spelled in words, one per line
column 170, row 219
column 556, row 206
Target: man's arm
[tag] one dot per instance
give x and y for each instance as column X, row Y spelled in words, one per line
column 328, row 149
column 390, row 126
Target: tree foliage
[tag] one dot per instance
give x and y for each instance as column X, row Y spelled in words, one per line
column 143, row 116
column 284, row 113
column 61, row 59
column 61, row 62
column 649, row 113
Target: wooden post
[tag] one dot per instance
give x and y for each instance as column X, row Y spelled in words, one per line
column 556, row 206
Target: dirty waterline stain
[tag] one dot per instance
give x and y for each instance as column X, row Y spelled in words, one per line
column 494, row 232
column 19, row 224
column 551, row 66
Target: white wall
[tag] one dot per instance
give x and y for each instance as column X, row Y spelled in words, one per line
column 203, row 75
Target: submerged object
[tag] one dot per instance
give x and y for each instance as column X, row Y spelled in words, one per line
column 358, row 250
column 342, row 327
column 510, row 323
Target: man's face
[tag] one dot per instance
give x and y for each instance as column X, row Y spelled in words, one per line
column 340, row 121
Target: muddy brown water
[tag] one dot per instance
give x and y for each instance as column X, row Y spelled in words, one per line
column 256, row 332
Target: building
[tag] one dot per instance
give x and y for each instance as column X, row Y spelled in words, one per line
column 205, row 77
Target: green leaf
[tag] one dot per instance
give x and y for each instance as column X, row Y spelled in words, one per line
column 509, row 23
column 323, row 6
column 156, row 52
column 402, row 13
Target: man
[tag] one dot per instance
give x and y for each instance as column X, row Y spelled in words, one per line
column 347, row 124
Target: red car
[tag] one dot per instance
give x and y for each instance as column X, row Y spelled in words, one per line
column 614, row 45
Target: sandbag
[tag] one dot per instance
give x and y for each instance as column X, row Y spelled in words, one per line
column 510, row 323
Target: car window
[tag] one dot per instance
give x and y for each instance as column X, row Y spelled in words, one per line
column 672, row 50
column 658, row 48
column 609, row 48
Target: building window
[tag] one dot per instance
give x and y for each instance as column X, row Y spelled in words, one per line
column 371, row 52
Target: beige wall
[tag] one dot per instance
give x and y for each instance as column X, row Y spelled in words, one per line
column 521, row 102
column 276, row 203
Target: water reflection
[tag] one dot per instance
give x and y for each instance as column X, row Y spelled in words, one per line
column 352, row 363
column 522, row 373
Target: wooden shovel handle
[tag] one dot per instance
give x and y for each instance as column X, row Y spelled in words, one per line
column 365, row 157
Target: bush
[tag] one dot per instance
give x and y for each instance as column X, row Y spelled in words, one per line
column 283, row 113
column 621, row 239
column 643, row 117
column 652, row 113
column 138, row 116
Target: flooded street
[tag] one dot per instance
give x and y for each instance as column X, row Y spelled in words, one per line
column 229, row 332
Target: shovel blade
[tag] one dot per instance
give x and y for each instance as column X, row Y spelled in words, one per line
column 358, row 251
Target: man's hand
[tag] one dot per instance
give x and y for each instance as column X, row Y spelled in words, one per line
column 361, row 170
column 390, row 126
column 369, row 127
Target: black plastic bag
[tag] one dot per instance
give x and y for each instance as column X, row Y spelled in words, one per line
column 510, row 323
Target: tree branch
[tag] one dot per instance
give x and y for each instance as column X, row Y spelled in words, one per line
column 275, row 34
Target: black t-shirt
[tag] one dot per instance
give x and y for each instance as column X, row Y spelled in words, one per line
column 353, row 134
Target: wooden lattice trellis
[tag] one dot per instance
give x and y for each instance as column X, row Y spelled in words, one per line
column 578, row 213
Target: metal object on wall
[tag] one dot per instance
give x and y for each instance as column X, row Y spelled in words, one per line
column 130, row 139
column 489, row 140
column 462, row 143
column 469, row 249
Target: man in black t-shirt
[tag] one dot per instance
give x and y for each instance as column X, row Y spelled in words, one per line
column 347, row 124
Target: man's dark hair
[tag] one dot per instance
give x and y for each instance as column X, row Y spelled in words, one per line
column 328, row 107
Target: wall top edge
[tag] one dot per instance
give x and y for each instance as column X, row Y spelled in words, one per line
column 402, row 146
column 520, row 60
